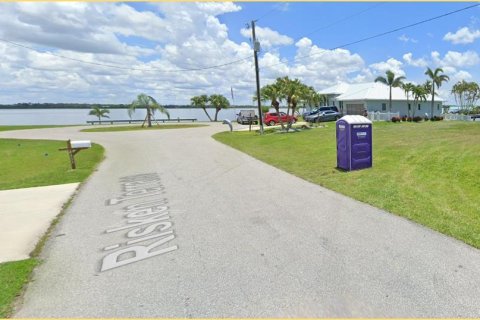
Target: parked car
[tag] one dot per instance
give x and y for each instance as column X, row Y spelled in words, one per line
column 272, row 118
column 318, row 110
column 247, row 117
column 328, row 115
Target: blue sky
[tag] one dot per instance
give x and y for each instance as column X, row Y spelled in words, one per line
column 161, row 37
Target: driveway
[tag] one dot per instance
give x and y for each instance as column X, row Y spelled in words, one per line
column 175, row 224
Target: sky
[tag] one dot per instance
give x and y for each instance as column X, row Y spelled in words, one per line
column 88, row 52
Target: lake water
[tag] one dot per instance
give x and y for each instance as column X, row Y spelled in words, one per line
column 80, row 116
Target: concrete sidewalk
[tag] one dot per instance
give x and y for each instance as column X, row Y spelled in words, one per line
column 26, row 214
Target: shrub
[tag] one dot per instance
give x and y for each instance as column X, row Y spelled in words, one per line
column 417, row 119
column 396, row 119
column 436, row 118
column 409, row 119
column 404, row 118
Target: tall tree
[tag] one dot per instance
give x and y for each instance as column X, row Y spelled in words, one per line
column 148, row 102
column 437, row 79
column 408, row 89
column 219, row 102
column 466, row 94
column 99, row 112
column 292, row 91
column 271, row 92
column 419, row 93
column 201, row 102
column 391, row 82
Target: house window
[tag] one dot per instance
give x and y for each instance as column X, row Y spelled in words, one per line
column 340, row 104
column 438, row 106
column 409, row 107
column 384, row 106
column 419, row 107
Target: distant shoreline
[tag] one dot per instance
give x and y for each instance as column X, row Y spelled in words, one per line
column 89, row 106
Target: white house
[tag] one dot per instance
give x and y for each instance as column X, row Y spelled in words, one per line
column 374, row 96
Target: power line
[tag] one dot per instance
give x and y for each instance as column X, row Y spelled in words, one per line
column 122, row 67
column 380, row 34
column 340, row 20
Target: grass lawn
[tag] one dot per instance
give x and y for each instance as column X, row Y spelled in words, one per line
column 427, row 172
column 9, row 128
column 138, row 127
column 33, row 163
column 13, row 276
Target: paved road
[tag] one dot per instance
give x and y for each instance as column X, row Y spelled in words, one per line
column 235, row 237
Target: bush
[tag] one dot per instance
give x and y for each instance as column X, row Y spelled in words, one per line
column 409, row 119
column 396, row 119
column 436, row 118
column 417, row 119
column 404, row 118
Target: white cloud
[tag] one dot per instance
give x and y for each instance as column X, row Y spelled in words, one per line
column 404, row 38
column 461, row 75
column 174, row 36
column 456, row 59
column 391, row 64
column 462, row 36
column 217, row 8
column 408, row 58
column 322, row 67
column 267, row 37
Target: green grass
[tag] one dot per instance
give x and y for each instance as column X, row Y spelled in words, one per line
column 138, row 127
column 13, row 276
column 9, row 128
column 33, row 163
column 426, row 172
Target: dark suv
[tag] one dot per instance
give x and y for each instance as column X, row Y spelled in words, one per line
column 247, row 117
column 319, row 110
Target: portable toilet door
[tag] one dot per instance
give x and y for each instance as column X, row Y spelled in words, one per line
column 354, row 143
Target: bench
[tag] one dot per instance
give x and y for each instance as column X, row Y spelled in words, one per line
column 92, row 122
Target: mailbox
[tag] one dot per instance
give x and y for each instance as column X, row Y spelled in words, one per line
column 81, row 144
column 354, row 143
column 74, row 147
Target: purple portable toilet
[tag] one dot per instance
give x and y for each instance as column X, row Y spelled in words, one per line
column 354, row 143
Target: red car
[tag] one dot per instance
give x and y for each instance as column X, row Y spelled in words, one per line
column 271, row 118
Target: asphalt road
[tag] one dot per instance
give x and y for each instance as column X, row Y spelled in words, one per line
column 234, row 237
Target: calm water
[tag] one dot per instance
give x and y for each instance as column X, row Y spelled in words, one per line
column 80, row 116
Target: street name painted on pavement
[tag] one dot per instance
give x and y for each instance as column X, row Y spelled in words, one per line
column 148, row 227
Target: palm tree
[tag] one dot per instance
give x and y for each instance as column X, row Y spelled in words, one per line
column 148, row 102
column 219, row 102
column 466, row 94
column 99, row 112
column 419, row 93
column 271, row 92
column 201, row 102
column 408, row 88
column 437, row 80
column 292, row 91
column 390, row 81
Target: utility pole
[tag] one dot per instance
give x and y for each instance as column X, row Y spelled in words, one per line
column 256, row 48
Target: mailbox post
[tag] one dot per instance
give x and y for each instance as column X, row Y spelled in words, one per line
column 354, row 143
column 74, row 147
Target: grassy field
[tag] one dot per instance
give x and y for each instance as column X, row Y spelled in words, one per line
column 138, row 127
column 9, row 128
column 33, row 163
column 427, row 172
column 13, row 276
